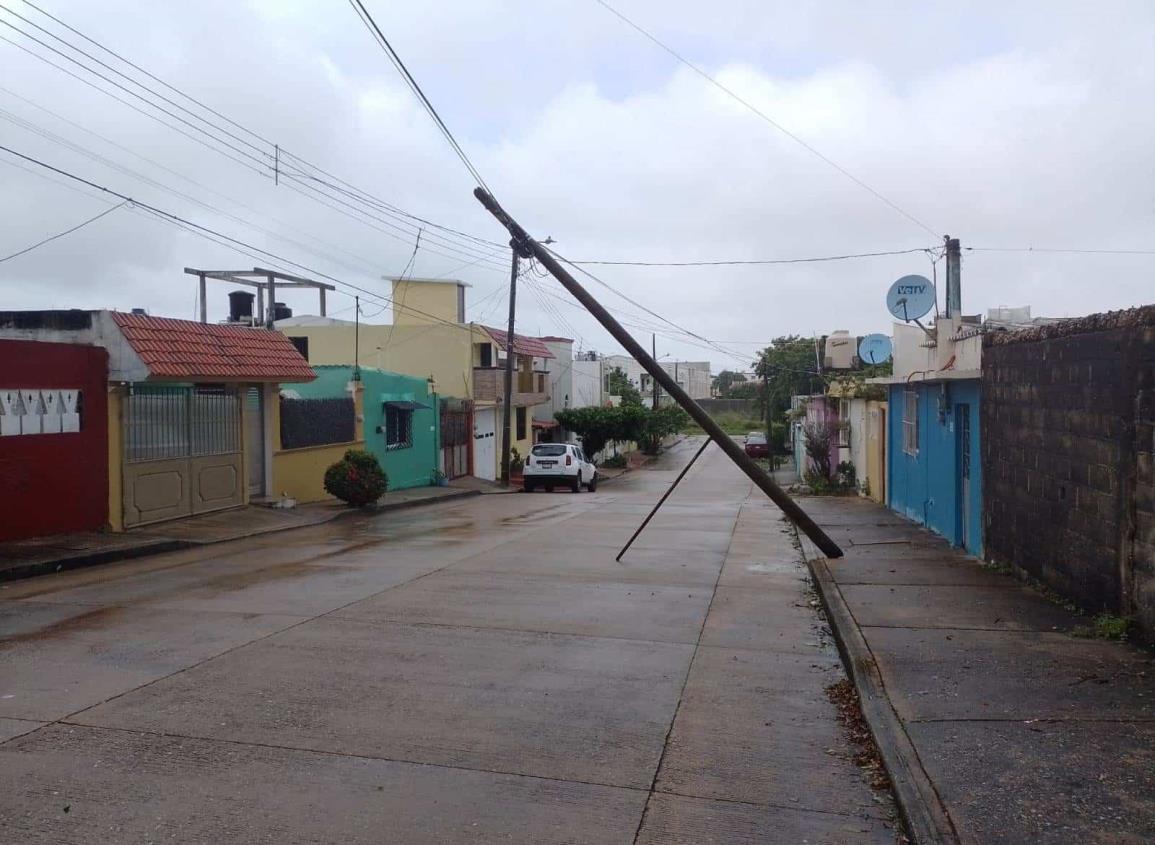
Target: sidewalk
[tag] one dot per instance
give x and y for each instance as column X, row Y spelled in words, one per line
column 998, row 723
column 44, row 555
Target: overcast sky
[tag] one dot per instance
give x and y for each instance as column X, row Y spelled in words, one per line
column 1004, row 124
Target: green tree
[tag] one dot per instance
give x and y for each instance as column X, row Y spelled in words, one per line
column 726, row 381
column 790, row 368
column 660, row 424
column 620, row 385
column 598, row 426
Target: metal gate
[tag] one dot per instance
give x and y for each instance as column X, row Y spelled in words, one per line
column 456, row 437
column 963, row 429
column 182, row 451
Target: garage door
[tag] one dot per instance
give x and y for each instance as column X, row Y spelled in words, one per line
column 182, row 451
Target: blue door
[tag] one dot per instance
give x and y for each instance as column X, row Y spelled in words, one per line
column 963, row 438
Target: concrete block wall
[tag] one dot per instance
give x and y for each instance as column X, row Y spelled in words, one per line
column 1067, row 450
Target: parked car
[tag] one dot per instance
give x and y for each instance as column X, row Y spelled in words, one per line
column 756, row 445
column 552, row 465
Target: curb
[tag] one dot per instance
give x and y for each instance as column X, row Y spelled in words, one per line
column 161, row 546
column 922, row 810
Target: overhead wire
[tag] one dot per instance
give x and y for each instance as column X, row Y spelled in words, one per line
column 371, row 25
column 68, row 231
column 757, row 111
column 302, row 169
column 753, row 262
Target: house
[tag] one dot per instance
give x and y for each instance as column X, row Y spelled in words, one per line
column 530, row 390
column 186, row 406
column 399, row 413
column 574, row 381
column 692, row 376
column 429, row 339
column 932, row 451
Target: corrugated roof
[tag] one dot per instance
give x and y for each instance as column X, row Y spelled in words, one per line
column 522, row 345
column 196, row 351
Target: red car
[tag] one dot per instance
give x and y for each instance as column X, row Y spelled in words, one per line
column 756, row 445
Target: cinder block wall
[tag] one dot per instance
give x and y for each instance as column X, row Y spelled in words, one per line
column 1067, row 447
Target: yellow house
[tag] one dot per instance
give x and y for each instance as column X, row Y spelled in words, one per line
column 429, row 338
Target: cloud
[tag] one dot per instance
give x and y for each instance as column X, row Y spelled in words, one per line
column 996, row 125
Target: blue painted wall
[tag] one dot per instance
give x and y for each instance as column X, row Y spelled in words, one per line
column 927, row 487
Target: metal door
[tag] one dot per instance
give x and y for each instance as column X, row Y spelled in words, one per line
column 484, row 444
column 963, row 433
column 182, row 451
column 255, row 438
column 455, row 438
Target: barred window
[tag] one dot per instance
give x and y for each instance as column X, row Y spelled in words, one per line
column 910, row 422
column 398, row 428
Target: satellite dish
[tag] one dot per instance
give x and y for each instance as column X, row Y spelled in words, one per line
column 910, row 297
column 875, row 349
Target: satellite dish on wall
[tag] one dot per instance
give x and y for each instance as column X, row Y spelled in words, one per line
column 875, row 349
column 910, row 297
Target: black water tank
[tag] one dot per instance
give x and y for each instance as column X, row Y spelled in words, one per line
column 241, row 306
column 281, row 311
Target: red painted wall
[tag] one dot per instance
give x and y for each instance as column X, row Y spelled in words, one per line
column 52, row 483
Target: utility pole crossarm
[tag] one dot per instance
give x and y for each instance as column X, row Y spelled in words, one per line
column 754, row 472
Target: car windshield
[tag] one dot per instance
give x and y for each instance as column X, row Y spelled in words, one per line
column 548, row 450
column 755, row 438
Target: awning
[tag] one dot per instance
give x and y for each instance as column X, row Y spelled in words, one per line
column 544, row 423
column 406, row 405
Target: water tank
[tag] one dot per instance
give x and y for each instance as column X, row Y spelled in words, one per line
column 240, row 306
column 840, row 351
column 281, row 311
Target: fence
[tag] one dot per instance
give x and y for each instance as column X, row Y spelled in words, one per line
column 316, row 422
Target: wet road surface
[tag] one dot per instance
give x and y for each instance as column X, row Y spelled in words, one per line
column 478, row 672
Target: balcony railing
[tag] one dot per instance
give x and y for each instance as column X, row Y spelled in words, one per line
column 528, row 388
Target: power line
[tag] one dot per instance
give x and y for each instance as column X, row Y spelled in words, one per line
column 375, row 30
column 264, row 169
column 739, row 262
column 210, row 233
column 1061, row 250
column 809, row 148
column 92, row 219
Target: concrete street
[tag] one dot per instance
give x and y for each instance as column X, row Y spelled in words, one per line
column 478, row 672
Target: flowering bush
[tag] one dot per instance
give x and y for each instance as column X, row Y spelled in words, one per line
column 357, row 479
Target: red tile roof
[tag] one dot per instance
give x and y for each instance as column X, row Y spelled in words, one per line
column 196, row 351
column 522, row 345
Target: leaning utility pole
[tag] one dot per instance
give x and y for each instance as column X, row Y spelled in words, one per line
column 506, row 410
column 755, row 473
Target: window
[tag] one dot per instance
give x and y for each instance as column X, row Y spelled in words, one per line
column 549, row 450
column 844, row 423
column 302, row 344
column 486, row 355
column 398, row 428
column 521, row 423
column 910, row 422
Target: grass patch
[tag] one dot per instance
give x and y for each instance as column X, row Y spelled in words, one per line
column 1105, row 626
column 731, row 423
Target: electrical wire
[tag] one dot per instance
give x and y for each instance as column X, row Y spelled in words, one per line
column 1061, row 250
column 376, row 32
column 81, row 225
column 302, row 169
column 210, row 233
column 753, row 262
column 730, row 93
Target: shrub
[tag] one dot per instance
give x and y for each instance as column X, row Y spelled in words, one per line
column 357, row 479
column 616, row 462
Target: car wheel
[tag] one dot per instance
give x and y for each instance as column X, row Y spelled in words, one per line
column 527, row 486
column 549, row 488
column 593, row 485
column 576, row 485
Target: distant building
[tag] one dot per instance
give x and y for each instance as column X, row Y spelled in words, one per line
column 692, row 376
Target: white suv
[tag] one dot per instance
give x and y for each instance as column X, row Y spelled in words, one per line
column 552, row 465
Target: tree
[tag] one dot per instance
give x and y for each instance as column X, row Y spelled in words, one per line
column 659, row 425
column 620, row 385
column 725, row 382
column 598, row 426
column 820, row 438
column 788, row 364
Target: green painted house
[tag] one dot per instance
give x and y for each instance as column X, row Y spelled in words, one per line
column 401, row 422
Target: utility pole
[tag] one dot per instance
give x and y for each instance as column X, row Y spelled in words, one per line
column 654, row 355
column 953, row 278
column 357, row 338
column 724, row 442
column 507, row 410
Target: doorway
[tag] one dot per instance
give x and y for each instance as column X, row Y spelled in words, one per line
column 485, row 443
column 255, row 438
column 962, row 413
